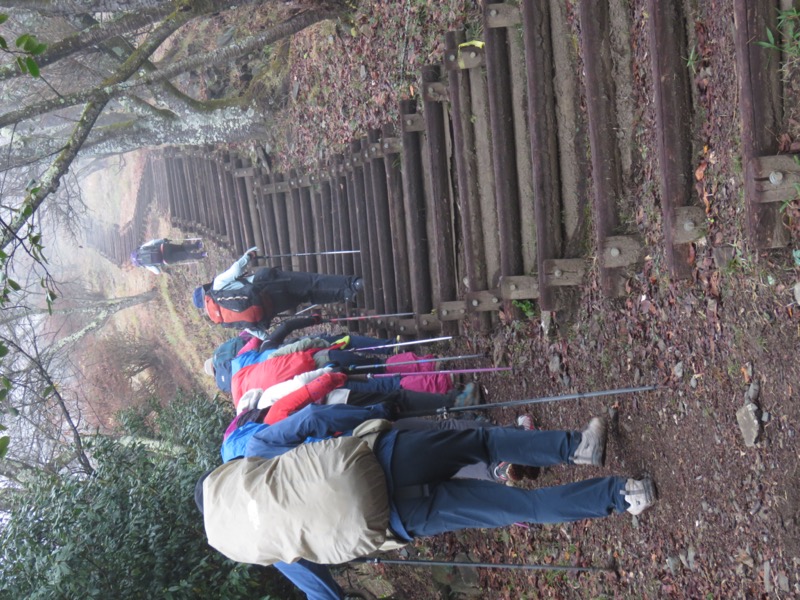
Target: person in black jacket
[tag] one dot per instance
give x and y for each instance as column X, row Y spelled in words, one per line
column 157, row 253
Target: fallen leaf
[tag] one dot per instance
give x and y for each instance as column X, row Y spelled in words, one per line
column 700, row 172
column 714, row 284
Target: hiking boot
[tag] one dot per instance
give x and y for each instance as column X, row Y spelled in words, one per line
column 525, row 422
column 639, row 494
column 592, row 449
column 506, row 471
column 470, row 396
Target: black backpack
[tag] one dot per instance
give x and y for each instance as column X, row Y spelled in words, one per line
column 150, row 256
column 246, row 307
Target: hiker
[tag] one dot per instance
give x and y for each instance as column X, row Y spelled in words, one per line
column 309, row 354
column 163, row 251
column 246, row 425
column 300, row 506
column 232, row 355
column 326, row 387
column 249, row 302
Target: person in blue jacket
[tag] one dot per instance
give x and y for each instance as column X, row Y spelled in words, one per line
column 441, row 503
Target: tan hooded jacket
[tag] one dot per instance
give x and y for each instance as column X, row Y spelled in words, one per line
column 326, row 502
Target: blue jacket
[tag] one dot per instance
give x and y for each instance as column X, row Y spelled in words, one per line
column 249, row 358
column 235, row 444
column 316, row 422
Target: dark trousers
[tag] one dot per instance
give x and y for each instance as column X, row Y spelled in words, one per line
column 405, row 401
column 175, row 253
column 479, row 470
column 288, row 289
column 361, row 341
column 433, row 458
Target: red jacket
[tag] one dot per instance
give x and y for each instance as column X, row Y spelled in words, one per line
column 314, row 391
column 273, row 370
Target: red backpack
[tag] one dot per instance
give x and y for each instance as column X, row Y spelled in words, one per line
column 241, row 308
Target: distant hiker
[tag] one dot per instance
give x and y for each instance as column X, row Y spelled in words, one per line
column 250, row 302
column 157, row 253
column 300, row 506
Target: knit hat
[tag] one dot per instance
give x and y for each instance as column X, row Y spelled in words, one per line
column 198, row 295
column 208, row 367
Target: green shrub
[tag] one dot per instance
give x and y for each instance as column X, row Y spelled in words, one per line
column 131, row 530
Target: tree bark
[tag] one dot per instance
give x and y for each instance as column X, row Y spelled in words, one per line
column 73, row 7
column 121, row 88
column 52, row 176
column 82, row 40
column 225, row 124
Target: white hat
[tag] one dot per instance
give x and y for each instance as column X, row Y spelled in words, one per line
column 208, row 367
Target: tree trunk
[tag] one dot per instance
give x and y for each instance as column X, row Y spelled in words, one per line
column 52, row 176
column 73, row 7
column 121, row 88
column 87, row 38
column 111, row 305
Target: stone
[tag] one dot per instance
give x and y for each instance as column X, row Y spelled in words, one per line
column 783, row 582
column 690, row 555
column 673, row 564
column 555, row 364
column 797, row 292
column 749, row 423
column 460, row 580
column 684, row 560
column 677, row 370
column 753, row 392
column 767, row 577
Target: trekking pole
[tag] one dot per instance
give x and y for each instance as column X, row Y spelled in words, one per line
column 411, row 343
column 450, row 372
column 445, row 563
column 446, row 410
column 300, row 312
column 416, row 362
column 364, row 317
column 330, row 253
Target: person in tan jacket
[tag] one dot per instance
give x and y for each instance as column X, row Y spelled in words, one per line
column 300, row 506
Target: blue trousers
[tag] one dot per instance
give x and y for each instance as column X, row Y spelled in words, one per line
column 433, row 458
